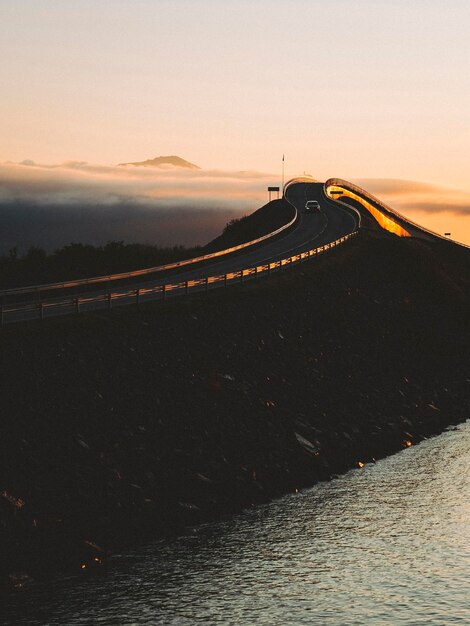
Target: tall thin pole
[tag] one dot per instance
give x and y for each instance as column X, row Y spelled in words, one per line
column 283, row 175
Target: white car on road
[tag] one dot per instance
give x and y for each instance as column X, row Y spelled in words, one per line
column 312, row 206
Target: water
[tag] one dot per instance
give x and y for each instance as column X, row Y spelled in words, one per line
column 387, row 544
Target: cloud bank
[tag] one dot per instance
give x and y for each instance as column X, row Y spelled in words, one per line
column 52, row 205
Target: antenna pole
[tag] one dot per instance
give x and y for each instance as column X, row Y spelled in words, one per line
column 282, row 175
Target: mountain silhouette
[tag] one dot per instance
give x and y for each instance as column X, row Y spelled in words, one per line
column 161, row 161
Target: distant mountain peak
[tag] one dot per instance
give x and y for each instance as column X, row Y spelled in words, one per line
column 163, row 161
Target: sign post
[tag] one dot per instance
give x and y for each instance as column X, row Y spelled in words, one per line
column 271, row 189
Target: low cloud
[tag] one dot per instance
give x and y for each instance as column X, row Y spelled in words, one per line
column 53, row 205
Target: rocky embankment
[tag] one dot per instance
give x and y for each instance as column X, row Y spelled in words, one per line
column 124, row 425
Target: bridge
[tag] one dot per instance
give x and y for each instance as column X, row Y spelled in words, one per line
column 346, row 210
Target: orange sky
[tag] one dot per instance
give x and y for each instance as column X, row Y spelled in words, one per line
column 363, row 89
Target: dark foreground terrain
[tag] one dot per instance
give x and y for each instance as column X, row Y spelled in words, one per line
column 125, row 425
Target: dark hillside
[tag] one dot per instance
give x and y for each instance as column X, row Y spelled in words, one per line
column 267, row 219
column 123, row 425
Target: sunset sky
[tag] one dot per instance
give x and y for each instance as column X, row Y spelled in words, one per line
column 359, row 89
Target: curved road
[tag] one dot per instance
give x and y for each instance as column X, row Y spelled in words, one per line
column 311, row 230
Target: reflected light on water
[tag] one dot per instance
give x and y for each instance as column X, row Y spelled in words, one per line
column 387, row 545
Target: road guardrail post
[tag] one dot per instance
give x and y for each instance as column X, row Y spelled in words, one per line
column 137, row 296
column 186, row 288
column 110, row 299
column 77, row 305
column 163, row 293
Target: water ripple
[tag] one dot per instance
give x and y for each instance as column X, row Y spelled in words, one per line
column 388, row 544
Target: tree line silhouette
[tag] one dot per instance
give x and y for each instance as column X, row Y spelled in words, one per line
column 78, row 260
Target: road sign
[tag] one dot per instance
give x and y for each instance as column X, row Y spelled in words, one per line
column 271, row 189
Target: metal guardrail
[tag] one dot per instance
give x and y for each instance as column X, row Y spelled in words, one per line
column 309, row 179
column 381, row 206
column 35, row 289
column 348, row 207
column 296, row 180
column 159, row 292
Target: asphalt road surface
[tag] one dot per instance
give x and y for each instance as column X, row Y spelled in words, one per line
column 311, row 230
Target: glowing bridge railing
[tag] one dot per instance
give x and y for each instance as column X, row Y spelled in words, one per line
column 386, row 222
column 388, row 218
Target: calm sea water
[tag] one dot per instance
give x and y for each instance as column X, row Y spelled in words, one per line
column 387, row 544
